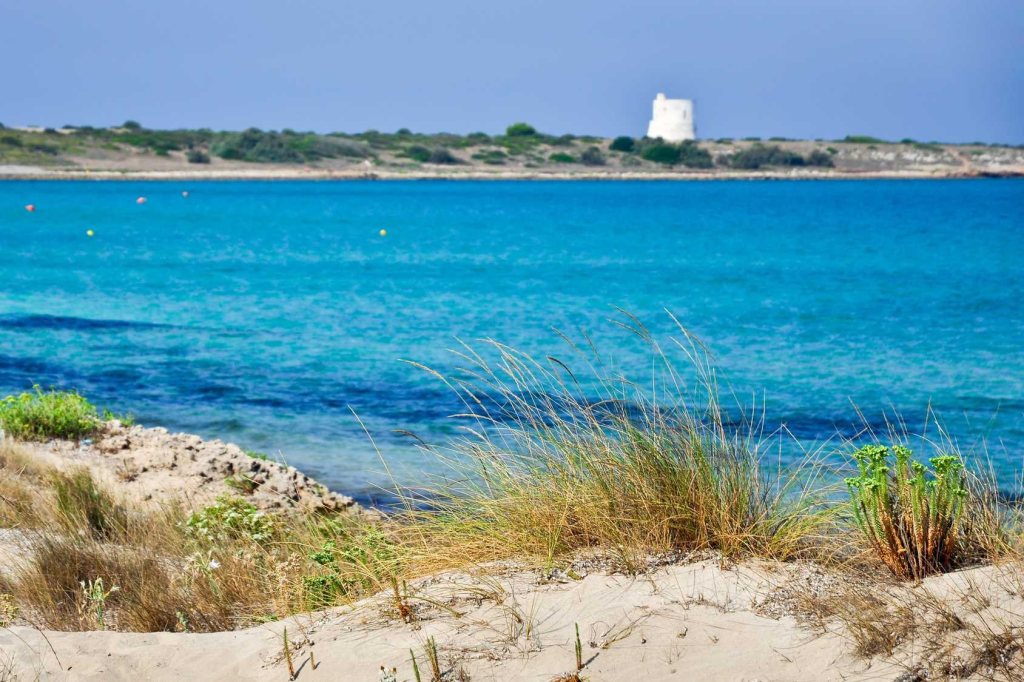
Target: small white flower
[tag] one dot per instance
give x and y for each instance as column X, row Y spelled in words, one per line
column 214, row 564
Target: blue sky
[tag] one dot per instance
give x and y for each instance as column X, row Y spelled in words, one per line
column 934, row 69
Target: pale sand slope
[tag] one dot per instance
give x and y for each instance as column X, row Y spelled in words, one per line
column 682, row 622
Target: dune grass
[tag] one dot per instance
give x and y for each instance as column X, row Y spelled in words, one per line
column 544, row 471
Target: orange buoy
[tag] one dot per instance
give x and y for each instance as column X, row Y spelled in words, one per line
column 31, row 208
column 140, row 200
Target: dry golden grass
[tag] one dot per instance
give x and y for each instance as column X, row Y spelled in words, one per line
column 544, row 471
column 969, row 627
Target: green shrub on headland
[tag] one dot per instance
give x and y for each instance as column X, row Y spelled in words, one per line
column 197, row 156
column 667, row 154
column 687, row 153
column 417, row 153
column 39, row 415
column 622, row 144
column 863, row 139
column 759, row 155
column 442, row 156
column 520, row 130
column 592, row 156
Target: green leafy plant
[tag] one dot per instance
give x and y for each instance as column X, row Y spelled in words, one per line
column 95, row 597
column 562, row 157
column 358, row 562
column 231, row 518
column 38, row 415
column 909, row 515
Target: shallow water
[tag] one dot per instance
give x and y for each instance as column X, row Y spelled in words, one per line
column 263, row 312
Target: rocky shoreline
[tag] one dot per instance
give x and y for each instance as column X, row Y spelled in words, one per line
column 153, row 465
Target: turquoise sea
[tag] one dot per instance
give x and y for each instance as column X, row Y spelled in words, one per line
column 265, row 312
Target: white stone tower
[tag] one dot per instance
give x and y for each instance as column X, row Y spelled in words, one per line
column 673, row 119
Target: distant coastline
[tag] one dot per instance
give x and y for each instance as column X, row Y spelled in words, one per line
column 288, row 173
column 131, row 152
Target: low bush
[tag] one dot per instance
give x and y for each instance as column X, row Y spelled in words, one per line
column 231, row 518
column 493, row 157
column 40, row 416
column 520, row 130
column 820, row 159
column 692, row 156
column 256, row 146
column 759, row 155
column 562, row 157
column 592, row 156
column 197, row 156
column 442, row 156
column 351, row 563
column 660, row 152
column 622, row 143
column 863, row 139
column 688, row 153
column 417, row 153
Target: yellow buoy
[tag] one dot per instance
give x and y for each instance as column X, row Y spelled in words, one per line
column 89, row 233
column 383, row 233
